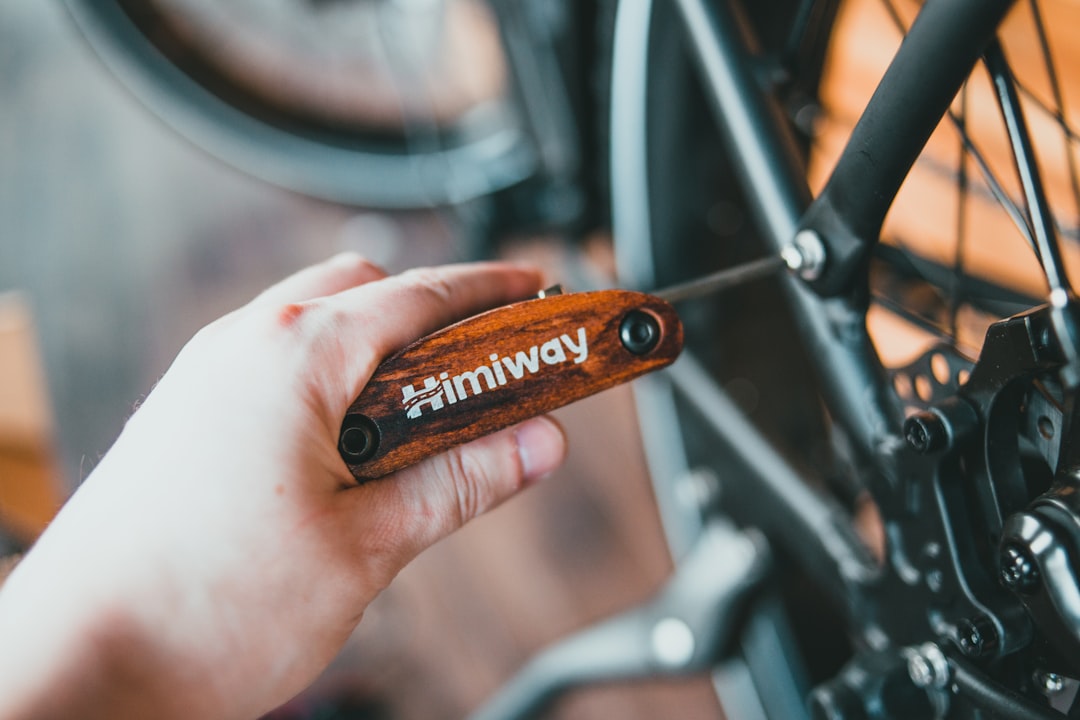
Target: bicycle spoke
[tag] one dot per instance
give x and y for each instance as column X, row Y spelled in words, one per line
column 996, row 188
column 1040, row 104
column 961, row 217
column 1069, row 135
column 1055, row 86
column 983, row 295
column 1027, row 169
column 946, row 335
column 989, row 177
column 894, row 15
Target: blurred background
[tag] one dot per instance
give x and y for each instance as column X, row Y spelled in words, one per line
column 119, row 239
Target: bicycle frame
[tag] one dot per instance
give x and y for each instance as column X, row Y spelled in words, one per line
column 942, row 46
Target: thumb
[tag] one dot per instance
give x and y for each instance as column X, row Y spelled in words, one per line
column 415, row 507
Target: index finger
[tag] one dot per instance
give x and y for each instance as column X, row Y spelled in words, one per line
column 380, row 318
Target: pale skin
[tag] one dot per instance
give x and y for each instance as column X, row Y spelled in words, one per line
column 220, row 554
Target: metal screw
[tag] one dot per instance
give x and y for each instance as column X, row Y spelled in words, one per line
column 698, row 489
column 673, row 642
column 935, row 580
column 920, row 671
column 926, row 433
column 977, row 637
column 1048, row 683
column 928, row 667
column 1018, row 571
column 639, row 332
column 359, row 438
column 805, row 255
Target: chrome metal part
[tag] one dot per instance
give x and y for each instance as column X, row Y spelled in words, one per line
column 549, row 291
column 805, row 255
column 673, row 642
column 928, row 667
column 1048, row 683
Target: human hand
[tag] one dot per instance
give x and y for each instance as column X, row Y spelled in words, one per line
column 220, row 554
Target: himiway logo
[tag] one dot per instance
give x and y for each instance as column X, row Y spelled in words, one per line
column 437, row 393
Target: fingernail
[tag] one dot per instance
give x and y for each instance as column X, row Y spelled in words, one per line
column 528, row 268
column 541, row 447
column 354, row 262
column 346, row 258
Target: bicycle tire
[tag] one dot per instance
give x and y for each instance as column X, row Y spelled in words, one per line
column 341, row 164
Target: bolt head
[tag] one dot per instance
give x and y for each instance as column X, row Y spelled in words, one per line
column 673, row 642
column 792, row 257
column 976, row 637
column 927, row 666
column 1049, row 683
column 1018, row 571
column 926, row 433
column 359, row 439
column 935, row 580
column 920, row 671
column 639, row 332
column 805, row 255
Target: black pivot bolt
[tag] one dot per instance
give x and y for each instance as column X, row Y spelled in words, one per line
column 639, row 332
column 977, row 637
column 359, row 438
column 1018, row 571
column 926, row 433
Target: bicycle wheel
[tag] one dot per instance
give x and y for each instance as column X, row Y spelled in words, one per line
column 906, row 524
column 391, row 105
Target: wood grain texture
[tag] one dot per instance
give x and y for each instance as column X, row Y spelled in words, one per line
column 500, row 368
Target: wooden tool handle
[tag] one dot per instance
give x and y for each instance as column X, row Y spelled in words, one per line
column 500, row 368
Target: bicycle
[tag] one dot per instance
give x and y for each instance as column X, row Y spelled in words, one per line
column 962, row 600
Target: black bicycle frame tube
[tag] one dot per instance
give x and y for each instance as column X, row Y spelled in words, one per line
column 756, row 134
column 936, row 56
column 760, row 144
